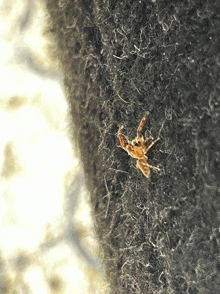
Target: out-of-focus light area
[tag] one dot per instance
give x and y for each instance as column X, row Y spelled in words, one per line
column 47, row 238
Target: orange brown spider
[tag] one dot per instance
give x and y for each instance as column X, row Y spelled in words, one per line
column 137, row 149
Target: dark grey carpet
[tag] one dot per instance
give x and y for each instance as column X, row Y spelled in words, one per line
column 121, row 59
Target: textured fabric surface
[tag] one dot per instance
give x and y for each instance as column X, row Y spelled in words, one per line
column 121, row 59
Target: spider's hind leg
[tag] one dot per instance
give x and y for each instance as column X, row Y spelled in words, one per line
column 154, row 167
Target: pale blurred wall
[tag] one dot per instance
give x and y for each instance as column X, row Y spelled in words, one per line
column 47, row 239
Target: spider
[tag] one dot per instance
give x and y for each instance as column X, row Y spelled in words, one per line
column 137, row 149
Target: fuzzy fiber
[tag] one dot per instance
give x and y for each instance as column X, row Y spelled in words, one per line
column 121, row 59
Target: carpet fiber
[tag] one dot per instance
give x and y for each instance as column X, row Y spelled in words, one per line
column 122, row 59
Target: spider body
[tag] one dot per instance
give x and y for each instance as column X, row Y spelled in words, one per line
column 137, row 149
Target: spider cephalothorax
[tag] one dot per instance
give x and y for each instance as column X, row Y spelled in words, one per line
column 137, row 149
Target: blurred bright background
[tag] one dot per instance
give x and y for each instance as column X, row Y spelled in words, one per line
column 47, row 237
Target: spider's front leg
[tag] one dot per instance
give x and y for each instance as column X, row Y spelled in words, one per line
column 121, row 139
column 141, row 125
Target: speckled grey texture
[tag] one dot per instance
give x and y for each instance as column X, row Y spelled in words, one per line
column 121, row 59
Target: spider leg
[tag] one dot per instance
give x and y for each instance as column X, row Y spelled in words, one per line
column 140, row 141
column 122, row 141
column 147, row 139
column 151, row 145
column 141, row 125
column 154, row 167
